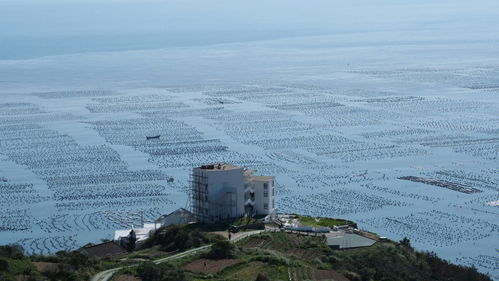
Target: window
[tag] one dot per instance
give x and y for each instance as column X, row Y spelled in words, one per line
column 273, row 206
column 266, row 206
column 272, row 183
column 265, row 186
column 273, row 191
column 265, row 194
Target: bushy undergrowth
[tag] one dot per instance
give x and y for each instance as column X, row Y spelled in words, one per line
column 150, row 271
column 68, row 265
column 384, row 261
column 269, row 259
column 396, row 262
column 222, row 250
column 179, row 238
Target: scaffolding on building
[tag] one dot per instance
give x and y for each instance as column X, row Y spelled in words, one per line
column 199, row 195
column 209, row 211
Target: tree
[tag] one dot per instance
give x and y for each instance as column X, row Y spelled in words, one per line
column 150, row 271
column 78, row 260
column 406, row 242
column 4, row 265
column 221, row 250
column 172, row 273
column 12, row 251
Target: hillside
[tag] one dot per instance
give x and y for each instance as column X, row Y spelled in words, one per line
column 291, row 256
column 269, row 254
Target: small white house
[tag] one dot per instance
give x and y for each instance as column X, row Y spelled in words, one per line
column 179, row 216
column 131, row 238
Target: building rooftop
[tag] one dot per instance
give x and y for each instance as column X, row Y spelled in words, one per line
column 219, row 167
column 106, row 249
column 262, row 178
column 141, row 233
column 251, row 177
column 349, row 240
column 179, row 216
column 249, row 172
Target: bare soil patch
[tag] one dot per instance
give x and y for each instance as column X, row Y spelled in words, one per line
column 127, row 277
column 320, row 274
column 304, row 254
column 210, row 266
column 46, row 266
column 22, row 277
column 253, row 243
column 249, row 272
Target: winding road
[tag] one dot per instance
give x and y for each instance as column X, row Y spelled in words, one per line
column 107, row 274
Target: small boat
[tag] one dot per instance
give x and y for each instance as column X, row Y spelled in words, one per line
column 152, row 137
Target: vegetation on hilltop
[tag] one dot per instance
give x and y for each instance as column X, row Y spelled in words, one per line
column 324, row 222
column 285, row 256
column 394, row 261
column 221, row 250
column 150, row 271
column 14, row 265
column 265, row 256
column 180, row 238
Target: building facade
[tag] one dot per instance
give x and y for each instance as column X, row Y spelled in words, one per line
column 259, row 194
column 223, row 191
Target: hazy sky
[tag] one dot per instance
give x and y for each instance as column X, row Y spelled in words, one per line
column 100, row 17
column 38, row 26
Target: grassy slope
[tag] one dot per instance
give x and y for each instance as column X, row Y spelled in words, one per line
column 383, row 261
column 278, row 255
column 320, row 222
column 16, row 267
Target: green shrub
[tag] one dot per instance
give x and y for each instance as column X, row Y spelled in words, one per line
column 221, row 250
column 384, row 261
column 150, row 271
column 78, row 260
column 406, row 242
column 179, row 238
column 12, row 251
column 269, row 258
column 4, row 265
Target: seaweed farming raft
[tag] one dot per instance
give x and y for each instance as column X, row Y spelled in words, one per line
column 442, row 183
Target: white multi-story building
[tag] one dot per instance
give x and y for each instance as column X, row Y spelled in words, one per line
column 217, row 192
column 222, row 191
column 259, row 194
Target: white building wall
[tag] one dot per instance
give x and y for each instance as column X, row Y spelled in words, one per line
column 223, row 186
column 264, row 198
column 225, row 193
